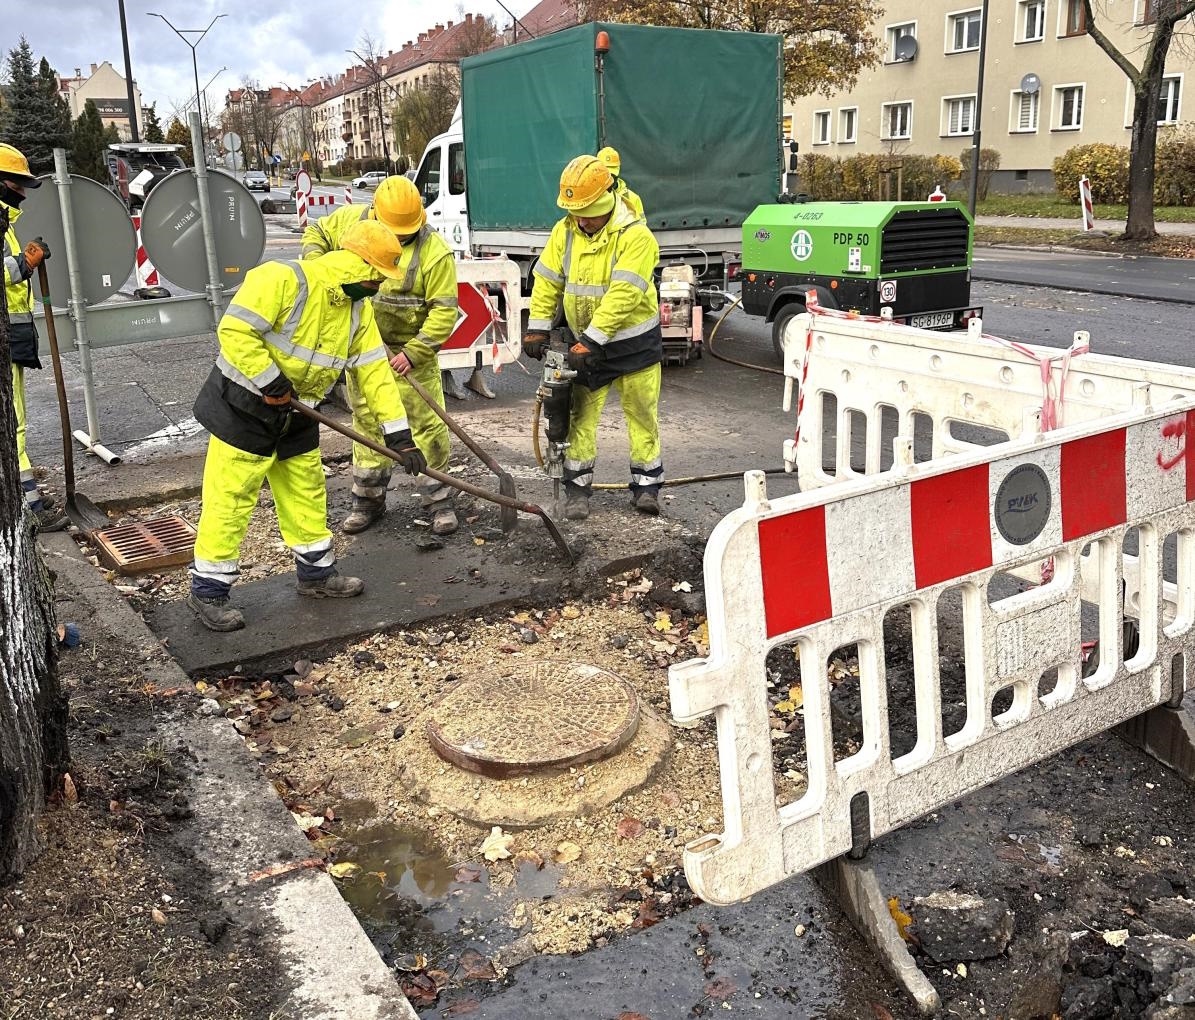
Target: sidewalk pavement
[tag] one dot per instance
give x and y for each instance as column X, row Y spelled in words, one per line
column 1060, row 223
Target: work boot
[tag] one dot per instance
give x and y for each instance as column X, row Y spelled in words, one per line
column 646, row 503
column 576, row 505
column 48, row 501
column 215, row 613
column 49, row 519
column 444, row 522
column 364, row 514
column 335, row 586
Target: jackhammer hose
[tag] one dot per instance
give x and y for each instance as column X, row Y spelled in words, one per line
column 734, row 361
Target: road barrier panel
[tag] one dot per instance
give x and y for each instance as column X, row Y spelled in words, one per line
column 490, row 302
column 803, row 571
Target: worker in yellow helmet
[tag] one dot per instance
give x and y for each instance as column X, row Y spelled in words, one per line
column 20, row 263
column 416, row 312
column 613, row 162
column 599, row 262
column 292, row 328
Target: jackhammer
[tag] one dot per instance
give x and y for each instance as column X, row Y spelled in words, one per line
column 554, row 396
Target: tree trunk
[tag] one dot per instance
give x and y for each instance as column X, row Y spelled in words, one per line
column 32, row 709
column 1142, row 151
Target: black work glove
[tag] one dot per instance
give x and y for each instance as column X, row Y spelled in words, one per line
column 582, row 357
column 413, row 462
column 535, row 345
column 278, row 392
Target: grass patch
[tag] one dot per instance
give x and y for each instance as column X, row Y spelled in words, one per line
column 1167, row 245
column 1052, row 206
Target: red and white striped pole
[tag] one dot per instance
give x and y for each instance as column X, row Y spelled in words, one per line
column 1085, row 202
column 301, row 208
column 147, row 273
column 348, row 194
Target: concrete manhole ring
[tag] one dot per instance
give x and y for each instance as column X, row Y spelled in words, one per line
column 543, row 715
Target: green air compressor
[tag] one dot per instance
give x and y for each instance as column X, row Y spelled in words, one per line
column 911, row 257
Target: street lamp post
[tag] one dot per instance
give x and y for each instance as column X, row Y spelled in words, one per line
column 134, row 113
column 975, row 149
column 182, row 33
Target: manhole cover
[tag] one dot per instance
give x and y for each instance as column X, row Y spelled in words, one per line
column 546, row 715
column 146, row 545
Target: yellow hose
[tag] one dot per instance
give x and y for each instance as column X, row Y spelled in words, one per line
column 734, row 361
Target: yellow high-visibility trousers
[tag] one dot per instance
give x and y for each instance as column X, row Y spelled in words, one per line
column 639, row 395
column 232, row 480
column 28, row 482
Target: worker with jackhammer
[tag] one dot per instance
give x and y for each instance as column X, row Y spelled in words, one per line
column 599, row 262
column 20, row 264
column 292, row 328
column 416, row 312
column 613, row 162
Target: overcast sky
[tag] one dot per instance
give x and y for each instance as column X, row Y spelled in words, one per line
column 272, row 41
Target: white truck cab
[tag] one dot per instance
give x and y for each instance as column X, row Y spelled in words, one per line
column 441, row 181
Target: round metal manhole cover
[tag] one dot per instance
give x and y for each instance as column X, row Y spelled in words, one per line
column 547, row 715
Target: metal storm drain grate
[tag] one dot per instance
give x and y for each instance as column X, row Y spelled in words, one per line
column 146, row 545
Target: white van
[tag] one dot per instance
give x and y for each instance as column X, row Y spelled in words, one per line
column 441, row 181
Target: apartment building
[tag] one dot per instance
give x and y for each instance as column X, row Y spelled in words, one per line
column 1047, row 86
column 105, row 87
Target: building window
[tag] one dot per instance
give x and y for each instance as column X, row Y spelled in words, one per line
column 848, row 124
column 1032, row 20
column 787, row 127
column 895, row 32
column 1168, row 100
column 1068, row 103
column 1021, row 175
column 1149, row 13
column 959, row 115
column 1076, row 18
column 963, row 32
column 1024, row 112
column 897, row 120
column 821, row 127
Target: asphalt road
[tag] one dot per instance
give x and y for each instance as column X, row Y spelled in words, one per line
column 1145, row 277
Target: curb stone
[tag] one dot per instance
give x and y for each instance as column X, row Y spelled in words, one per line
column 332, row 971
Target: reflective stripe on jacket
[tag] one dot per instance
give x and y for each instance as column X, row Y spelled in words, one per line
column 323, row 235
column 18, row 289
column 418, row 312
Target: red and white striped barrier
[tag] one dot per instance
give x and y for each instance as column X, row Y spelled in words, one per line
column 1085, row 204
column 348, row 194
column 820, row 571
column 147, row 274
column 482, row 336
column 301, row 208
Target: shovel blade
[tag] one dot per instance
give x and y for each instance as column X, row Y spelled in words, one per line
column 85, row 515
column 509, row 515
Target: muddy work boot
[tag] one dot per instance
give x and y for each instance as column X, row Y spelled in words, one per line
column 646, row 503
column 50, row 518
column 365, row 513
column 576, row 505
column 334, row 587
column 215, row 613
column 444, row 522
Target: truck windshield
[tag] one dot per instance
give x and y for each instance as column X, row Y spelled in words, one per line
column 428, row 178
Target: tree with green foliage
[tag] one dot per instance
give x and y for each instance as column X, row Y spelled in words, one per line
column 35, row 116
column 177, row 134
column 87, row 145
column 153, row 127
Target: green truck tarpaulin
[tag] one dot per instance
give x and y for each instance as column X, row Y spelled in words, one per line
column 695, row 115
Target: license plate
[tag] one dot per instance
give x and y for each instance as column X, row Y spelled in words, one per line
column 932, row 320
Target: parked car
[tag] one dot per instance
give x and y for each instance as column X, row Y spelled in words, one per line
column 255, row 180
column 371, row 179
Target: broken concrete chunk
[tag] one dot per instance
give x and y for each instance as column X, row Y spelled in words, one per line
column 1173, row 916
column 1040, row 993
column 955, row 926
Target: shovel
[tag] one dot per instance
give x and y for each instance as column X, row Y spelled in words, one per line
column 506, row 484
column 83, row 513
column 443, row 479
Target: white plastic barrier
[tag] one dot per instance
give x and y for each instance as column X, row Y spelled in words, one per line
column 884, row 376
column 820, row 569
column 488, row 329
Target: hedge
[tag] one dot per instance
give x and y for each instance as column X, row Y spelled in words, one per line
column 857, row 178
column 1107, row 168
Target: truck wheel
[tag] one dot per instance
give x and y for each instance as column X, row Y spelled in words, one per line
column 780, row 323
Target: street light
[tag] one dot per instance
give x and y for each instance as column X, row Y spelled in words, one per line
column 975, row 144
column 182, row 33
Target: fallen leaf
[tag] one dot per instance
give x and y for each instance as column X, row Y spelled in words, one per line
column 529, row 857
column 282, row 869
column 570, row 613
column 682, row 586
column 902, row 919
column 303, row 668
column 632, row 1016
column 411, row 964
column 467, row 873
column 496, row 846
column 647, row 915
column 785, row 707
column 477, row 540
column 345, row 869
column 69, row 793
column 1117, row 938
column 566, row 853
column 721, row 989
column 477, row 967
column 306, row 821
column 663, row 622
column 158, row 916
column 629, row 828
column 462, row 1007
column 420, row 990
column 440, row 977
column 880, row 1012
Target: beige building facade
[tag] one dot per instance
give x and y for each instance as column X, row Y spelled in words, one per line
column 1047, row 86
column 106, row 88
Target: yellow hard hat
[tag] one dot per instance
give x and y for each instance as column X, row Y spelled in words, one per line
column 376, row 244
column 610, row 160
column 398, row 205
column 582, row 184
column 15, row 167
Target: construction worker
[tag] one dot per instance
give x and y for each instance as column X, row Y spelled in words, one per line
column 599, row 260
column 613, row 162
column 416, row 313
column 20, row 264
column 289, row 332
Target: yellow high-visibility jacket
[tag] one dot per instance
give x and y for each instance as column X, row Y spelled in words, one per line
column 418, row 313
column 293, row 319
column 323, row 235
column 606, row 285
column 621, row 190
column 18, row 289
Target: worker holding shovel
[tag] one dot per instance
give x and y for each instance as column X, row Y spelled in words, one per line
column 292, row 328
